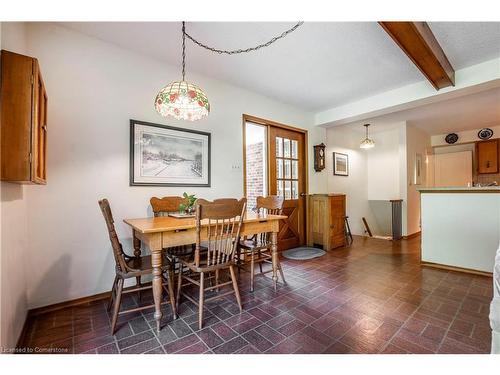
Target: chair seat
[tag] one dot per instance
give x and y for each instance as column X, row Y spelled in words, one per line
column 144, row 264
column 180, row 251
column 254, row 245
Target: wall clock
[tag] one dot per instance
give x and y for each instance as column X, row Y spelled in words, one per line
column 319, row 157
column 485, row 133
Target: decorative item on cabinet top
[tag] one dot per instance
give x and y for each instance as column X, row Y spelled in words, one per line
column 23, row 103
column 319, row 157
column 451, row 138
column 485, row 133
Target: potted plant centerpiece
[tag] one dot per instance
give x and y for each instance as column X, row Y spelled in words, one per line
column 188, row 207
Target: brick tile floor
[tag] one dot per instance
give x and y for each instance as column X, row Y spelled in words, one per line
column 373, row 297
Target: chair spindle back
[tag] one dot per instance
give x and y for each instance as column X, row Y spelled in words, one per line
column 220, row 222
column 113, row 237
column 270, row 205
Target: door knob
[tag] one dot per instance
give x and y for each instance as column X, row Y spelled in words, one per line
column 303, row 194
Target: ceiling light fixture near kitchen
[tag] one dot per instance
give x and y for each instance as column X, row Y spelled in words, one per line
column 185, row 101
column 367, row 142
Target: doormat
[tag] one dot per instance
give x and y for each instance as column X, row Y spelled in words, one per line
column 303, row 253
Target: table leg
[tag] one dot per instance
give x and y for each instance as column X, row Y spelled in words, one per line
column 156, row 262
column 274, row 252
column 137, row 246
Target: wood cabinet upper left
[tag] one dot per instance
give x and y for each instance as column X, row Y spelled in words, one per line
column 23, row 120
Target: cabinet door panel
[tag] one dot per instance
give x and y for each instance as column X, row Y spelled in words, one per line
column 39, row 129
column 337, row 225
column 487, row 156
column 16, row 96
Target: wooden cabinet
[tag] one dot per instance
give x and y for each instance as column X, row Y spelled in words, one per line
column 487, row 156
column 23, row 103
column 326, row 221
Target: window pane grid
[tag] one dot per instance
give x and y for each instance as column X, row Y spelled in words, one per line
column 287, row 168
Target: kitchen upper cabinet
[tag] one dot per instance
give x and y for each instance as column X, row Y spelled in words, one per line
column 23, row 102
column 487, row 156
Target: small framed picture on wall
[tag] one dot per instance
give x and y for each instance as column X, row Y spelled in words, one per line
column 340, row 164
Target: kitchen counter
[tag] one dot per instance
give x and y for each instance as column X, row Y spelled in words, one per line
column 460, row 227
column 462, row 189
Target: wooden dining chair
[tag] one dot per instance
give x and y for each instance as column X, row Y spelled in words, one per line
column 127, row 267
column 258, row 248
column 225, row 201
column 219, row 224
column 162, row 207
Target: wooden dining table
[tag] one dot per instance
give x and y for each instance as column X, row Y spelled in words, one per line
column 159, row 233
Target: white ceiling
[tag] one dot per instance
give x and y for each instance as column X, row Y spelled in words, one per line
column 464, row 113
column 320, row 65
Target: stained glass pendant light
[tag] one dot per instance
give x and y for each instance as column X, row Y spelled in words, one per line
column 367, row 142
column 180, row 99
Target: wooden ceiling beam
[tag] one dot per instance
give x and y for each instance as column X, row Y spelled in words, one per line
column 419, row 43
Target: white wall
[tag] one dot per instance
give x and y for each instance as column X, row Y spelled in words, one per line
column 417, row 141
column 94, row 89
column 383, row 165
column 379, row 174
column 342, row 139
column 14, row 229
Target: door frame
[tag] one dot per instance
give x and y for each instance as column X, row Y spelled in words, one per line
column 268, row 124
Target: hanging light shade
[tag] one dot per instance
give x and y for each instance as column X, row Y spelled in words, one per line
column 183, row 101
column 180, row 99
column 367, row 142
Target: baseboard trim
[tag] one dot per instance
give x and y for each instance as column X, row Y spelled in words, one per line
column 456, row 269
column 413, row 235
column 23, row 337
column 75, row 302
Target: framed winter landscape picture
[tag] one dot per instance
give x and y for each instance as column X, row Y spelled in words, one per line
column 162, row 155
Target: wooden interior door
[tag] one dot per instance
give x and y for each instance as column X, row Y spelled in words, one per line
column 287, row 178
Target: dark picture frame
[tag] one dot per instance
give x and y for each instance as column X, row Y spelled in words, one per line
column 162, row 155
column 340, row 164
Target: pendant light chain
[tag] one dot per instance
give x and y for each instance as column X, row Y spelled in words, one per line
column 183, row 50
column 251, row 49
column 185, row 101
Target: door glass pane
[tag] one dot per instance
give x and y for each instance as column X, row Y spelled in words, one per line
column 279, row 147
column 280, row 188
column 295, row 189
column 286, row 148
column 255, row 163
column 288, row 189
column 279, row 168
column 295, row 169
column 287, row 169
column 295, row 150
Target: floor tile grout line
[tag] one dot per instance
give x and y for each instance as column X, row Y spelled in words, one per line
column 412, row 314
column 454, row 317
